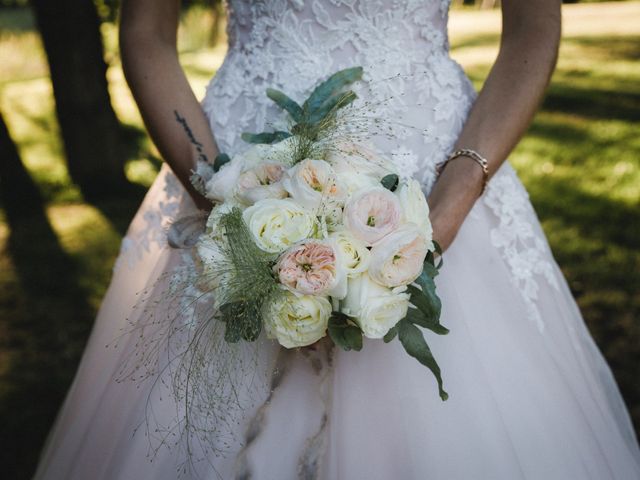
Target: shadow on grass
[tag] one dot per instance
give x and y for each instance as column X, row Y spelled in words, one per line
column 46, row 330
column 120, row 204
column 608, row 46
column 483, row 40
column 45, row 340
column 595, row 239
column 593, row 102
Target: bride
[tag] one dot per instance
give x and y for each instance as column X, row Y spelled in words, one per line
column 531, row 395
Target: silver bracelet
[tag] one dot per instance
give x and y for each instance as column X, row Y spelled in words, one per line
column 473, row 155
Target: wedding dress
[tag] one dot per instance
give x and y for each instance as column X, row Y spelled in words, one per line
column 531, row 396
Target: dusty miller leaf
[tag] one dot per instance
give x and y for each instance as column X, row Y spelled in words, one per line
column 416, row 346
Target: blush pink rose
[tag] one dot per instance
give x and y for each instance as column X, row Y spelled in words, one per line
column 372, row 214
column 397, row 259
column 309, row 268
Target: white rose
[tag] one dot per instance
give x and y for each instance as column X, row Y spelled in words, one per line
column 397, row 259
column 222, row 184
column 313, row 183
column 261, row 182
column 276, row 224
column 415, row 208
column 372, row 214
column 297, row 321
column 357, row 166
column 376, row 309
column 354, row 254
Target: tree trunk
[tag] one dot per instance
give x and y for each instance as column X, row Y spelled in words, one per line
column 18, row 193
column 91, row 132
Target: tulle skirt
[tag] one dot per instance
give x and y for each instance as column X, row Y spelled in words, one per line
column 531, row 396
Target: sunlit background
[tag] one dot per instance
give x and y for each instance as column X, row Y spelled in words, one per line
column 59, row 238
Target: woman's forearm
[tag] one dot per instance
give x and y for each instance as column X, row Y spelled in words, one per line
column 503, row 109
column 160, row 87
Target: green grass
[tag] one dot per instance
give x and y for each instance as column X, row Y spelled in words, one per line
column 580, row 161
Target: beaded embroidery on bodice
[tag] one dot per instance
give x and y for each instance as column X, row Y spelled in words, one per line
column 293, row 44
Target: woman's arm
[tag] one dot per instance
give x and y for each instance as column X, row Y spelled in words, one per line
column 150, row 62
column 503, row 110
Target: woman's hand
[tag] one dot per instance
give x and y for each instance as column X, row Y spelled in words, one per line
column 503, row 110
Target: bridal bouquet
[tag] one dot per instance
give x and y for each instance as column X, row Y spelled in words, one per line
column 313, row 234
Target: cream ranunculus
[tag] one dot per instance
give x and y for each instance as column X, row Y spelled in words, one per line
column 357, row 166
column 313, row 183
column 372, row 214
column 397, row 259
column 354, row 254
column 415, row 208
column 376, row 309
column 277, row 224
column 297, row 320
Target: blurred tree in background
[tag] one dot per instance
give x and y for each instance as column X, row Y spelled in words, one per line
column 70, row 31
column 19, row 196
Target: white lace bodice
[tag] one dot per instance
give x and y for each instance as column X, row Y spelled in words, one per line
column 293, row 44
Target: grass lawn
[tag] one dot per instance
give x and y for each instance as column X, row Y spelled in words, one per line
column 580, row 161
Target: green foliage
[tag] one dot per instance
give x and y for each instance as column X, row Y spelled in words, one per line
column 343, row 333
column 242, row 319
column 285, row 103
column 391, row 334
column 246, row 279
column 416, row 346
column 331, row 87
column 316, row 117
column 265, row 137
column 331, row 104
column 427, row 300
column 390, row 182
column 220, row 160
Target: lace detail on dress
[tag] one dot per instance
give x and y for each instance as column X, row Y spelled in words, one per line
column 410, row 78
column 524, row 251
column 293, row 44
column 162, row 208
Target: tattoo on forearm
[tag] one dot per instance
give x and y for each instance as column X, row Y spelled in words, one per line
column 183, row 122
